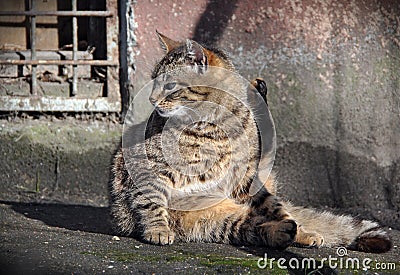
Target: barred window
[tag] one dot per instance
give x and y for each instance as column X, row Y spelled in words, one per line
column 59, row 56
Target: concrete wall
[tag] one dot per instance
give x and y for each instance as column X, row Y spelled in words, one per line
column 332, row 69
column 66, row 160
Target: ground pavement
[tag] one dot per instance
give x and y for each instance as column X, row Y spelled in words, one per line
column 61, row 238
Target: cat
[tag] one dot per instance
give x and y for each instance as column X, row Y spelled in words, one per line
column 142, row 181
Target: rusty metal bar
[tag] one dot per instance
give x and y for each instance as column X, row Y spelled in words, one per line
column 58, row 13
column 60, row 62
column 74, row 49
column 33, row 48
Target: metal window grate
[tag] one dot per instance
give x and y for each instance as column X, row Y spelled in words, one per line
column 108, row 100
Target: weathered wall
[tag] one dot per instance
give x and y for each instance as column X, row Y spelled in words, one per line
column 65, row 160
column 332, row 69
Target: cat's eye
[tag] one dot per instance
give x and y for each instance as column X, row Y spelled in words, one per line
column 169, row 86
column 174, row 95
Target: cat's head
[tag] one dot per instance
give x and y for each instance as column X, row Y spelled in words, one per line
column 189, row 53
column 170, row 93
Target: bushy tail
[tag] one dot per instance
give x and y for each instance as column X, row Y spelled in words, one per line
column 342, row 230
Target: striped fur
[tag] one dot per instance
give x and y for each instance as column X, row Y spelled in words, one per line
column 140, row 198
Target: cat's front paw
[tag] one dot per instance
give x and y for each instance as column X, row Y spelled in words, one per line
column 279, row 234
column 160, row 236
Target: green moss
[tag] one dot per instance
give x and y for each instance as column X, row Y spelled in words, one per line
column 209, row 260
column 224, row 263
column 215, row 260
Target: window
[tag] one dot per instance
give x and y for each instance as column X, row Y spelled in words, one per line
column 58, row 55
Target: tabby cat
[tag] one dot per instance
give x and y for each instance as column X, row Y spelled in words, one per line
column 142, row 180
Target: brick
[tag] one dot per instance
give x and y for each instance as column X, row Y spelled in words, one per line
column 44, row 55
column 8, row 70
column 15, row 87
column 89, row 89
column 84, row 70
column 55, row 89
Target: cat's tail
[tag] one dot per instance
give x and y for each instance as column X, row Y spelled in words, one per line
column 342, row 230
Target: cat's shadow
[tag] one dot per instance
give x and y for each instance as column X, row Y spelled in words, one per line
column 94, row 219
column 73, row 217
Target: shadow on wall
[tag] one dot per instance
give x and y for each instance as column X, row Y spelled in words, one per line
column 319, row 176
column 214, row 20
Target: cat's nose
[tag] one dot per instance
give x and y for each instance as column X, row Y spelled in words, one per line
column 153, row 101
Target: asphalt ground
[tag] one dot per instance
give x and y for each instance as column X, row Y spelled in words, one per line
column 59, row 238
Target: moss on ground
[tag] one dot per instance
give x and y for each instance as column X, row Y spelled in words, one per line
column 211, row 261
column 222, row 263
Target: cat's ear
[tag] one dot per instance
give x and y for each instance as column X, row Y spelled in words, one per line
column 167, row 44
column 195, row 53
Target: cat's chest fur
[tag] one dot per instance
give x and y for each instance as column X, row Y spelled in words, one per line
column 201, row 153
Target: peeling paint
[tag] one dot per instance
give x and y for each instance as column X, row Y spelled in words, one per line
column 54, row 104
